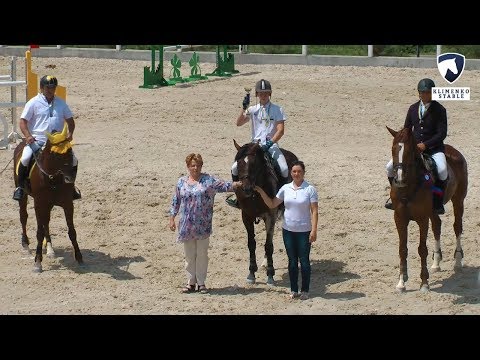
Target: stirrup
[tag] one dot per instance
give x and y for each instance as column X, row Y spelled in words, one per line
column 232, row 202
column 439, row 211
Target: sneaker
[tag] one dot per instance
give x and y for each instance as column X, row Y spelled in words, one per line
column 293, row 295
column 76, row 193
column 304, row 296
column 232, row 202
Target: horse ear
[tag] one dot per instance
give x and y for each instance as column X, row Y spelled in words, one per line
column 236, row 145
column 393, row 132
column 64, row 131
column 49, row 136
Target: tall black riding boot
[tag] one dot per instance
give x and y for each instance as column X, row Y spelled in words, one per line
column 389, row 204
column 22, row 177
column 76, row 192
column 438, row 198
column 233, row 202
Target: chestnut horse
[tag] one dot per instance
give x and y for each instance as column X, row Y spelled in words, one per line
column 255, row 168
column 50, row 183
column 411, row 196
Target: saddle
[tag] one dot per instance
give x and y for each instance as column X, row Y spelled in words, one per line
column 273, row 166
column 30, row 166
column 430, row 166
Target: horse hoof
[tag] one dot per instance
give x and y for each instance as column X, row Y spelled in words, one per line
column 424, row 288
column 401, row 289
column 37, row 269
column 270, row 281
column 251, row 279
column 435, row 269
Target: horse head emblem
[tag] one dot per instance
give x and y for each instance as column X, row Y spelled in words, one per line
column 450, row 66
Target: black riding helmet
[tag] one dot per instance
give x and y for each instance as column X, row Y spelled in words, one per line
column 48, row 81
column 425, row 85
column 263, row 86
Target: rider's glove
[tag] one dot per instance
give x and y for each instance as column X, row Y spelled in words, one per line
column 267, row 145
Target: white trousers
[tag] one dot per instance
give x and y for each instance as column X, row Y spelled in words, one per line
column 277, row 155
column 196, row 260
column 440, row 161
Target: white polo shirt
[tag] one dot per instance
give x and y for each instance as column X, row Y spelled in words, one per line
column 264, row 120
column 42, row 116
column 297, row 216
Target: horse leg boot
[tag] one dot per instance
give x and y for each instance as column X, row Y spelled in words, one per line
column 389, row 204
column 438, row 197
column 22, row 177
column 76, row 192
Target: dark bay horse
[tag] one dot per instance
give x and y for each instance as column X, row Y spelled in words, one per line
column 51, row 183
column 412, row 200
column 255, row 168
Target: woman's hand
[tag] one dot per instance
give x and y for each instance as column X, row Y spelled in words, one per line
column 313, row 236
column 172, row 224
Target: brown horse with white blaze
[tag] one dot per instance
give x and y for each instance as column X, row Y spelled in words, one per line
column 50, row 183
column 411, row 197
column 255, row 168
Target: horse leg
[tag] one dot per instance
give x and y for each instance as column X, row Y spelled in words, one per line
column 458, row 229
column 38, row 254
column 251, row 248
column 437, row 250
column 270, row 226
column 48, row 241
column 23, row 221
column 423, row 252
column 402, row 250
column 72, row 234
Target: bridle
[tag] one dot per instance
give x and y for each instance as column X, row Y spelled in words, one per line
column 40, row 167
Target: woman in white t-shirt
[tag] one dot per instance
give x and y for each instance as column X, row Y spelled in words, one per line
column 300, row 221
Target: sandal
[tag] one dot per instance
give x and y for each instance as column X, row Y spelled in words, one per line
column 188, row 289
column 202, row 289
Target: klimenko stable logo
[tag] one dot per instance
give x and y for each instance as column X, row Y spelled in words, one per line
column 450, row 66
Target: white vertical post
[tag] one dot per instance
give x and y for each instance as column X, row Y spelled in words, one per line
column 60, row 46
column 242, row 49
column 304, row 50
column 13, row 93
column 370, row 50
column 118, row 47
column 439, row 49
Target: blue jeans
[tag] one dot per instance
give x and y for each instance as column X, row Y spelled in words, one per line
column 298, row 246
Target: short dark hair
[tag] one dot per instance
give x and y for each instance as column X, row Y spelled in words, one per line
column 299, row 163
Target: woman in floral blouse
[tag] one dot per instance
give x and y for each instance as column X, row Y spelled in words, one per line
column 196, row 192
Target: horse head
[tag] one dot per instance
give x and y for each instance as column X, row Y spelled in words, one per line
column 449, row 64
column 251, row 165
column 57, row 157
column 404, row 154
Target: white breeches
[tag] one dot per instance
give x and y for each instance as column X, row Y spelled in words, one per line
column 440, row 161
column 277, row 155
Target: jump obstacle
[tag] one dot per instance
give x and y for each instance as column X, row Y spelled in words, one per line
column 31, row 82
column 153, row 77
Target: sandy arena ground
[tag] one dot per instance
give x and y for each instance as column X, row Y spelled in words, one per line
column 131, row 144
